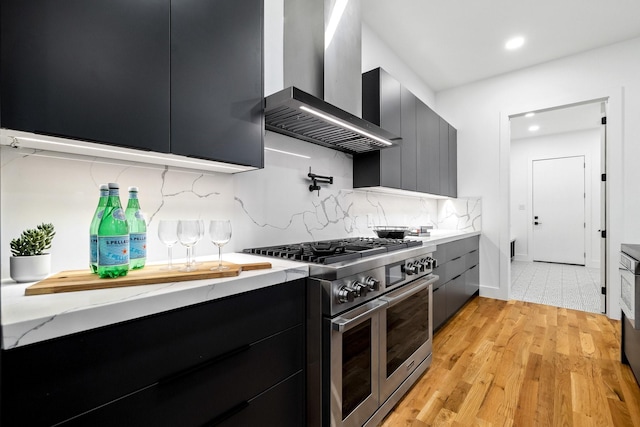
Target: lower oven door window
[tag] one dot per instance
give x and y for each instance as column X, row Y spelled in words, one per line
column 354, row 365
column 407, row 342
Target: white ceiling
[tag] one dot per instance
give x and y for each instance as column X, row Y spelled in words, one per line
column 566, row 119
column 449, row 43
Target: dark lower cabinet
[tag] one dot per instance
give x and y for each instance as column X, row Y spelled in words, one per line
column 208, row 364
column 459, row 280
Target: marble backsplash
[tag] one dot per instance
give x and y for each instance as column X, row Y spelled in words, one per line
column 268, row 206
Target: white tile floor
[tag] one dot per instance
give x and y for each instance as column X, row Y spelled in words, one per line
column 560, row 285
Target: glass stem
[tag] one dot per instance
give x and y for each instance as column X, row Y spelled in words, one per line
column 219, row 257
column 189, row 257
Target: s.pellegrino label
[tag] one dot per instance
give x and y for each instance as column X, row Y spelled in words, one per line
column 138, row 246
column 113, row 251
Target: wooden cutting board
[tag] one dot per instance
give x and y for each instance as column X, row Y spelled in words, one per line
column 83, row 280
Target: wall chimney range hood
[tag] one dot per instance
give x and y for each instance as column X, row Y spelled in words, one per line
column 298, row 114
column 321, row 70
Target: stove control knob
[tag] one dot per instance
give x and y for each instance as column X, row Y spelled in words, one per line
column 360, row 289
column 432, row 262
column 411, row 268
column 345, row 294
column 373, row 284
column 425, row 264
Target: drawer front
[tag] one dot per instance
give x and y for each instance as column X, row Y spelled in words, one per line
column 451, row 269
column 439, row 306
column 471, row 259
column 280, row 406
column 472, row 280
column 216, row 391
column 448, row 251
column 78, row 373
column 456, row 295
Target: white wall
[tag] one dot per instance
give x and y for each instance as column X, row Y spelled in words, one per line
column 375, row 53
column 481, row 110
column 523, row 152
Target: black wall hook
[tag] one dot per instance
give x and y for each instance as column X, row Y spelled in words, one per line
column 318, row 179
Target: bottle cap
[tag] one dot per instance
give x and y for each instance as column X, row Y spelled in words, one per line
column 113, row 185
column 133, row 189
column 104, row 187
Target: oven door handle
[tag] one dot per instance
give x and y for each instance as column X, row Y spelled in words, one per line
column 342, row 324
column 405, row 292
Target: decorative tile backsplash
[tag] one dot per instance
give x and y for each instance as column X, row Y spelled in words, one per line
column 268, row 206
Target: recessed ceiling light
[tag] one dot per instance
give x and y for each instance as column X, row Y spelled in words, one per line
column 533, row 128
column 514, row 43
column 530, row 114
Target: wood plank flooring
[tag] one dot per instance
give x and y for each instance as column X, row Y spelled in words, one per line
column 499, row 363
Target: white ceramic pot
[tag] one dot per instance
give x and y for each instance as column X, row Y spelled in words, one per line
column 29, row 268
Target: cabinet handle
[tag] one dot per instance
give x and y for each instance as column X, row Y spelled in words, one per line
column 185, row 372
column 227, row 414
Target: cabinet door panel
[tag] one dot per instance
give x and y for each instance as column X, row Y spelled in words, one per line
column 428, row 135
column 216, row 80
column 409, row 142
column 444, row 158
column 92, row 70
column 453, row 162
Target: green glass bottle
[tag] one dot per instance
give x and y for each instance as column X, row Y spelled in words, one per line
column 93, row 228
column 113, row 237
column 137, row 231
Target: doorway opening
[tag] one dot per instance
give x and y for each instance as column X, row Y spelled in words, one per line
column 557, row 211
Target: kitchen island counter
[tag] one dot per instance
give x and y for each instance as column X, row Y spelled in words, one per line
column 31, row 319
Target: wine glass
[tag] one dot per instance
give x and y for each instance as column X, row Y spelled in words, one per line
column 168, row 234
column 200, row 236
column 188, row 235
column 220, row 234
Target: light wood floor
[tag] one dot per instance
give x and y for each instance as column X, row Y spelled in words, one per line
column 515, row 363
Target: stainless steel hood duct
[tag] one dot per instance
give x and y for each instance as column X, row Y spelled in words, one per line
column 322, row 99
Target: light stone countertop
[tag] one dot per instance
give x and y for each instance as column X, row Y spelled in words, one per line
column 31, row 319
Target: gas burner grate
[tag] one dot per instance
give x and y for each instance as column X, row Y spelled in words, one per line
column 334, row 251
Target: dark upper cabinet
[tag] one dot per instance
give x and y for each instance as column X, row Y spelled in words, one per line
column 409, row 167
column 453, row 162
column 381, row 105
column 216, row 80
column 428, row 131
column 444, row 157
column 179, row 76
column 95, row 70
column 425, row 160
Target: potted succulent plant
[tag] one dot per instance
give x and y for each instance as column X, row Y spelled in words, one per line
column 29, row 262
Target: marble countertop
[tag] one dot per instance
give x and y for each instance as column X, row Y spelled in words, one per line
column 30, row 319
column 439, row 237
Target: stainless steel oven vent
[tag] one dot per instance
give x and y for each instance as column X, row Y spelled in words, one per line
column 296, row 113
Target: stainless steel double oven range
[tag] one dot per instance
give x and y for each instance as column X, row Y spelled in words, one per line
column 369, row 324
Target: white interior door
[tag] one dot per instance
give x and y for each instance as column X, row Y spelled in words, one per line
column 558, row 210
